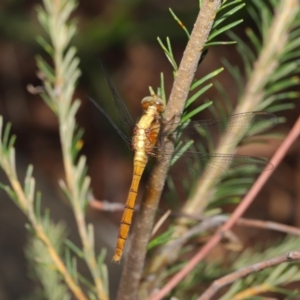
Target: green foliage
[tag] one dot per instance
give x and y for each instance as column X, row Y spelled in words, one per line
column 227, row 9
column 53, row 264
column 42, row 267
column 277, row 89
column 59, row 83
column 222, row 24
column 276, row 97
column 204, row 273
column 161, row 239
column 271, row 278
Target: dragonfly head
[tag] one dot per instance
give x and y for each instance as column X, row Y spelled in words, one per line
column 153, row 101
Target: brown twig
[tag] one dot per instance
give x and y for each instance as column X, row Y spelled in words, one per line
column 161, row 220
column 134, row 264
column 269, row 225
column 216, row 221
column 106, row 205
column 248, row 199
column 206, row 224
column 28, row 208
column 217, row 284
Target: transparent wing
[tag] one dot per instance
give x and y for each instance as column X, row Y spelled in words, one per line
column 214, row 165
column 124, row 115
column 125, row 138
column 190, row 137
column 228, row 129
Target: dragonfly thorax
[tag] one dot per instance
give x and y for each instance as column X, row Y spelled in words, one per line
column 153, row 101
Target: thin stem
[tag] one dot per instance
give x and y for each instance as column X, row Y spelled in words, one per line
column 268, row 225
column 107, row 206
column 216, row 221
column 62, row 93
column 218, row 284
column 73, row 188
column 28, row 209
column 78, row 293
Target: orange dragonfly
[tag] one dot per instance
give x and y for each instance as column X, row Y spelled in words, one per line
column 147, row 139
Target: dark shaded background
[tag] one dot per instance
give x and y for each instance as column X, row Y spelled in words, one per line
column 123, row 34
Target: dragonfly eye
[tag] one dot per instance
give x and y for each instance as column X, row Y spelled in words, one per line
column 146, row 102
column 160, row 106
column 156, row 101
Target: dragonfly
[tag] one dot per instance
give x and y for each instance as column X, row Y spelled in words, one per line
column 146, row 137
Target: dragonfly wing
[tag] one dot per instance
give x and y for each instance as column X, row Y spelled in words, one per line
column 235, row 165
column 229, row 130
column 125, row 138
column 125, row 117
column 215, row 165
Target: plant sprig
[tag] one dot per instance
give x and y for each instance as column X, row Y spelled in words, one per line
column 45, row 234
column 60, row 82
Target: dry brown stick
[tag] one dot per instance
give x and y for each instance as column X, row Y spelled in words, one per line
column 134, row 263
column 160, row 221
column 217, row 284
column 248, row 199
column 269, row 225
column 106, row 205
column 206, row 224
column 218, row 220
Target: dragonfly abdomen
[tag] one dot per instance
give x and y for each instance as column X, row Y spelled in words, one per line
column 138, row 169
